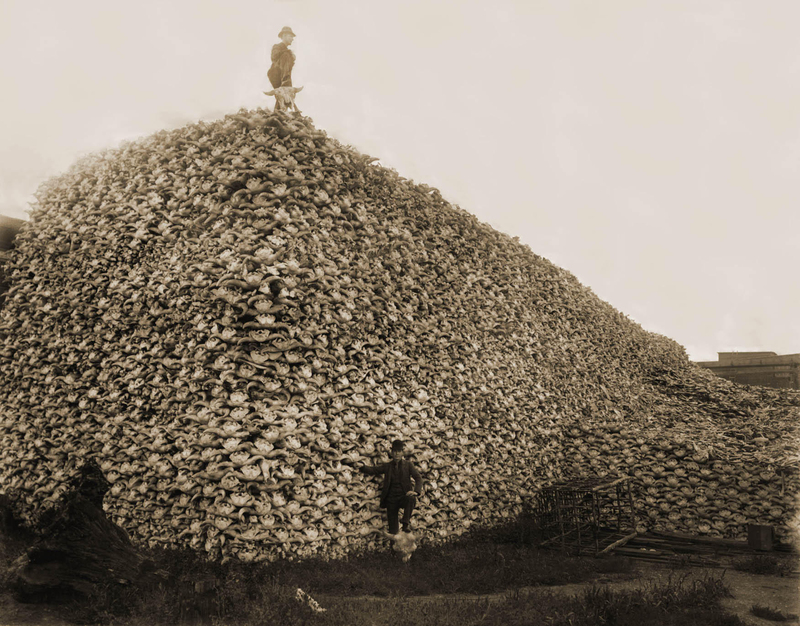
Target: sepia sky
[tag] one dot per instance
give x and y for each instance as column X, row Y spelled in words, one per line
column 650, row 147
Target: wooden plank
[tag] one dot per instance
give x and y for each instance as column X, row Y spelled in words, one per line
column 609, row 484
column 730, row 543
column 656, row 559
column 696, row 546
column 619, row 542
column 676, row 548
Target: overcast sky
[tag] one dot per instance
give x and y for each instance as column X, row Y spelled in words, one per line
column 650, row 147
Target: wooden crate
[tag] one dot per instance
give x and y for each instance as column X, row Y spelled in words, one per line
column 587, row 516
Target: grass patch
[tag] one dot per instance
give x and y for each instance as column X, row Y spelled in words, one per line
column 676, row 602
column 673, row 603
column 765, row 565
column 188, row 586
column 192, row 590
column 460, row 568
column 367, row 588
column 771, row 614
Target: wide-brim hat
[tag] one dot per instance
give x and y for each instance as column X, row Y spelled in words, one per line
column 286, row 31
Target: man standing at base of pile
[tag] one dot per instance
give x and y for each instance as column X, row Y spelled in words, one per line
column 280, row 73
column 397, row 492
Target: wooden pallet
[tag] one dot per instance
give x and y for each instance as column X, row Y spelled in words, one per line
column 661, row 546
column 694, row 543
column 686, row 549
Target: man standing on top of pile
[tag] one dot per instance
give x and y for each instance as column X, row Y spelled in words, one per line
column 280, row 74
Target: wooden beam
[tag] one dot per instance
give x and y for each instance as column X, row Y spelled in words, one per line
column 619, row 542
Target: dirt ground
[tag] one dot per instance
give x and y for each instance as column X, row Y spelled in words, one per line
column 781, row 593
column 776, row 592
column 15, row 614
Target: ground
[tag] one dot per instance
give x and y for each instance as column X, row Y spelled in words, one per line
column 776, row 592
column 781, row 593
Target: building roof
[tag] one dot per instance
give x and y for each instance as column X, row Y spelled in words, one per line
column 738, row 359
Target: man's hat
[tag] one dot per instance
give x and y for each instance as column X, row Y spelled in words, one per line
column 286, row 30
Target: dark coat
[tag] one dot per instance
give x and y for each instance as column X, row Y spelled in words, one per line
column 407, row 471
column 280, row 74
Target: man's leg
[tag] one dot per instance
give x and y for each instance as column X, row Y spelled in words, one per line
column 393, row 512
column 408, row 509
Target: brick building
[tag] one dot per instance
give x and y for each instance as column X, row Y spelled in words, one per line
column 766, row 369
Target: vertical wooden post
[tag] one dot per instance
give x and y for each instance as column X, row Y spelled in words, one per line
column 630, row 502
column 596, row 520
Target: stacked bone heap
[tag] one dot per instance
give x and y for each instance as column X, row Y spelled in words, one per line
column 231, row 317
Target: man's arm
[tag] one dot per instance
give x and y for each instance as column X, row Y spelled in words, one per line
column 277, row 50
column 373, row 469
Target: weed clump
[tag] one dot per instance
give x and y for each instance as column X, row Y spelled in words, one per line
column 677, row 601
column 765, row 565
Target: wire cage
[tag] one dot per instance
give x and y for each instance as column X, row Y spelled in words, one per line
column 586, row 516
